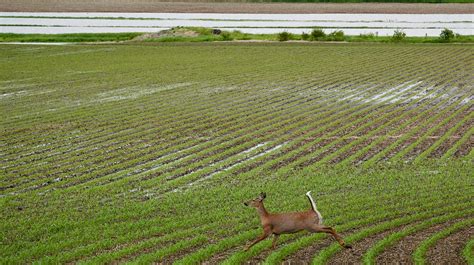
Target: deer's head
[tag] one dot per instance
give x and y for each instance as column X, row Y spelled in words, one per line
column 257, row 202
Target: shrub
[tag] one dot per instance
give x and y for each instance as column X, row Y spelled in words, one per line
column 226, row 36
column 284, row 36
column 317, row 34
column 446, row 35
column 398, row 35
column 337, row 35
column 304, row 36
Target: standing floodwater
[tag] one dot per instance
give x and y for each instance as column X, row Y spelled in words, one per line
column 351, row 24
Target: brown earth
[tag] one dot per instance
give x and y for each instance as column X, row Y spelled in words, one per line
column 359, row 248
column 210, row 7
column 447, row 250
column 402, row 251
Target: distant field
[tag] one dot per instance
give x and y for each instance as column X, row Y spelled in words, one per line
column 144, row 153
column 259, row 7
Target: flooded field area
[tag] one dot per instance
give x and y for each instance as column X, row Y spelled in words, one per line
column 351, row 24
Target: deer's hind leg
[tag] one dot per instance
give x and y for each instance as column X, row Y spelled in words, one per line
column 316, row 228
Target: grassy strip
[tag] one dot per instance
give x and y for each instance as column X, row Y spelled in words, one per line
column 374, row 251
column 205, row 35
column 77, row 37
column 420, row 252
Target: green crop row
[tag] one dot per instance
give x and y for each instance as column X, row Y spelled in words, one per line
column 468, row 251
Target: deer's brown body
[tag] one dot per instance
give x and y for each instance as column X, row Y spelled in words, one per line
column 287, row 223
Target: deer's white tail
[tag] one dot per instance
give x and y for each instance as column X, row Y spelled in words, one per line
column 313, row 205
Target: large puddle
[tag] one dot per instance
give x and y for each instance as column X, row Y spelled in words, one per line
column 351, row 24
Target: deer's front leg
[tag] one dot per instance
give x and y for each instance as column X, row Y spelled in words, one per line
column 266, row 232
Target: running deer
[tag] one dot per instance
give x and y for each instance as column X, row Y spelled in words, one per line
column 288, row 223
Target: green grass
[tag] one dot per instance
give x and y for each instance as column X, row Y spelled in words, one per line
column 205, row 35
column 144, row 152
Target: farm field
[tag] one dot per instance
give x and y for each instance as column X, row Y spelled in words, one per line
column 144, row 153
column 242, row 6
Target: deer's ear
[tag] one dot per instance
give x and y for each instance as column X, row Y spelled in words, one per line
column 263, row 195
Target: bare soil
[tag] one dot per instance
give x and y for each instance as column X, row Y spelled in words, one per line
column 218, row 258
column 403, row 250
column 175, row 32
column 213, row 7
column 465, row 148
column 344, row 256
column 305, row 255
column 443, row 148
column 447, row 250
column 359, row 248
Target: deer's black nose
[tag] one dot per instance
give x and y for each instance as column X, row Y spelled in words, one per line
column 246, row 204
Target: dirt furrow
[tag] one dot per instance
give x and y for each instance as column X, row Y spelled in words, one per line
column 465, row 148
column 444, row 147
column 448, row 250
column 402, row 251
column 354, row 255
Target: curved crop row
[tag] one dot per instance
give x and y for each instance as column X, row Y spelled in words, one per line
column 420, row 252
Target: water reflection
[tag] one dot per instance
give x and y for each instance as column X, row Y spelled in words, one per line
column 351, row 24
